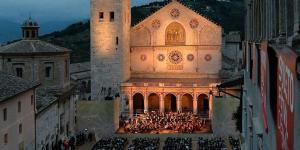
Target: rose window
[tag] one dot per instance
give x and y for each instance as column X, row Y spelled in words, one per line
column 175, row 57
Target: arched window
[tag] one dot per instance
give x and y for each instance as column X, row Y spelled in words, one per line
column 175, row 34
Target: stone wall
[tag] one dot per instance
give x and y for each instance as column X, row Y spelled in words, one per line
column 34, row 68
column 14, row 118
column 109, row 47
column 223, row 111
column 47, row 127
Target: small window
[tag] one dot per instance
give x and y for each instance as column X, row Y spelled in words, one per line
column 5, row 138
column 19, row 72
column 4, row 114
column 112, row 16
column 32, row 100
column 117, row 40
column 48, row 72
column 20, row 128
column 101, row 16
column 19, row 107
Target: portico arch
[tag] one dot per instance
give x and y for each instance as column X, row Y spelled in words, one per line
column 203, row 104
column 153, row 102
column 187, row 103
column 170, row 103
column 138, row 103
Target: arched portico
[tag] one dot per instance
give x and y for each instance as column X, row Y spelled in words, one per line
column 153, row 102
column 138, row 103
column 187, row 103
column 203, row 104
column 170, row 103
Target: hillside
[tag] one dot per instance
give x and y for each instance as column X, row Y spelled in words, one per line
column 228, row 13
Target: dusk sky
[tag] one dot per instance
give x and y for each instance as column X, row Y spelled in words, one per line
column 49, row 10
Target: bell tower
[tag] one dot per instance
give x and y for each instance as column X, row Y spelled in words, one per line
column 30, row 29
column 110, row 47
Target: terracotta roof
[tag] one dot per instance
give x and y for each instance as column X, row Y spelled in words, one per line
column 11, row 86
column 31, row 47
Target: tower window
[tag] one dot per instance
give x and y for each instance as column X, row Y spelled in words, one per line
column 27, row 34
column 33, row 35
column 101, row 16
column 19, row 72
column 117, row 40
column 112, row 16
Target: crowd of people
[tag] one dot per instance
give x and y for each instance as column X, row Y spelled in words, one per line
column 211, row 144
column 235, row 143
column 154, row 122
column 144, row 144
column 171, row 143
column 84, row 136
column 178, row 144
column 112, row 143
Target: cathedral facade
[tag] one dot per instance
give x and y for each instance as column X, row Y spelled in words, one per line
column 170, row 61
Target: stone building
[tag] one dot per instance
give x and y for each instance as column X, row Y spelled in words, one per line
column 17, row 108
column 232, row 52
column 170, row 61
column 36, row 60
column 81, row 74
column 271, row 55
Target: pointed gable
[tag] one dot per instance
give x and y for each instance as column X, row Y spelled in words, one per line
column 178, row 5
column 198, row 30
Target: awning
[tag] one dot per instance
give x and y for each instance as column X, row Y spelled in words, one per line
column 232, row 82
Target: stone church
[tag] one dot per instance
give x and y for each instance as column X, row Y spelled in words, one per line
column 170, row 61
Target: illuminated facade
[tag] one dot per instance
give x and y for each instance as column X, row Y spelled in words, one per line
column 168, row 62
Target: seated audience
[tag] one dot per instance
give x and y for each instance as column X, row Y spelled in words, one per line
column 144, row 144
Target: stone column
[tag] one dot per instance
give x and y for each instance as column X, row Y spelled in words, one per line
column 130, row 105
column 195, row 104
column 210, row 105
column 161, row 103
column 178, row 102
column 146, row 103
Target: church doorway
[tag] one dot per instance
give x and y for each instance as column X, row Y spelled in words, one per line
column 187, row 103
column 203, row 104
column 153, row 102
column 170, row 103
column 138, row 103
